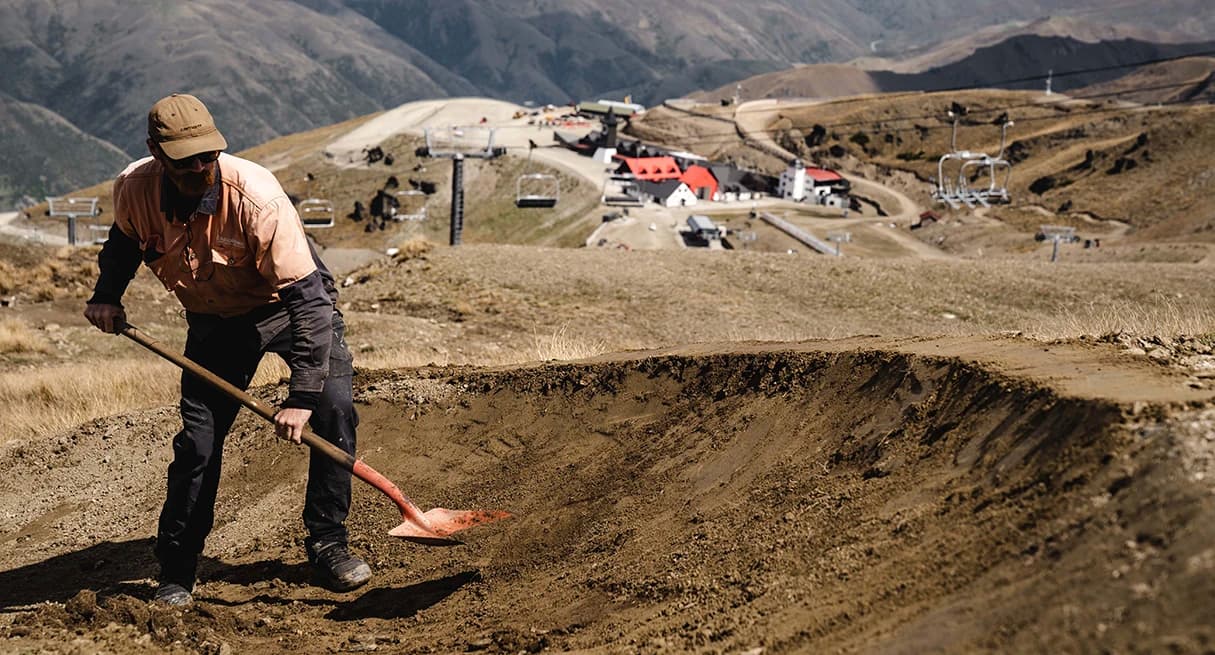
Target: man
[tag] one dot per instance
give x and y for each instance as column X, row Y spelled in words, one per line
column 220, row 233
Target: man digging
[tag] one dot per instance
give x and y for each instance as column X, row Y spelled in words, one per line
column 220, row 232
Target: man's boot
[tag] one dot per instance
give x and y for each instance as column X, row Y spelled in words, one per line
column 176, row 579
column 336, row 568
column 171, row 593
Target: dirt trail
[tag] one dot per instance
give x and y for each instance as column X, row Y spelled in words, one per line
column 753, row 120
column 954, row 494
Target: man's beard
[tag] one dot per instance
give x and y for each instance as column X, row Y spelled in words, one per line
column 194, row 184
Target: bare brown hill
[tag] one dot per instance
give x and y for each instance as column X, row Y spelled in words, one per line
column 1089, row 27
column 809, row 81
column 1021, row 61
column 1073, row 160
column 1172, row 82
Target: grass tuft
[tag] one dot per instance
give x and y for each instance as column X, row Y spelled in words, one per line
column 18, row 337
column 563, row 344
column 1167, row 318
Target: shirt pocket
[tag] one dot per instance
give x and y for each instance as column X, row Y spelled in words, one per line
column 235, row 272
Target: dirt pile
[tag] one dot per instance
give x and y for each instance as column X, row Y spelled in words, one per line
column 951, row 494
column 126, row 623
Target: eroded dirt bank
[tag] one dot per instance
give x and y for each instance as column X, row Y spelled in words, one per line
column 956, row 495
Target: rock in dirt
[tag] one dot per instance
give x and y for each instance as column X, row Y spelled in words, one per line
column 83, row 605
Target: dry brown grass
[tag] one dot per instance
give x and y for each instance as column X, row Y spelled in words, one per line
column 1166, row 318
column 413, row 247
column 16, row 336
column 45, row 401
column 565, row 344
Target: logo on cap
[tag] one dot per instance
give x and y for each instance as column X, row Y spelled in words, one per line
column 182, row 126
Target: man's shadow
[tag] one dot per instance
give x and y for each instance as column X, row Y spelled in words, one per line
column 111, row 568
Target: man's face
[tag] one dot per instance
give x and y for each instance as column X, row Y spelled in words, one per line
column 193, row 175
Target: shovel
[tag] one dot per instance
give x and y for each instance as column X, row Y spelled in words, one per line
column 430, row 528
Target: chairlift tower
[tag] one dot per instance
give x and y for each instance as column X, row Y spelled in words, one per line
column 72, row 209
column 838, row 238
column 1057, row 233
column 458, row 144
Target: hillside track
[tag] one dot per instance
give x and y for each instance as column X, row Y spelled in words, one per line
column 953, row 494
column 753, row 122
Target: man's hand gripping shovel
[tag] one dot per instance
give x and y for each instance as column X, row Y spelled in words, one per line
column 431, row 528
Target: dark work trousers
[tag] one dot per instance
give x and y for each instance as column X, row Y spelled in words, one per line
column 232, row 348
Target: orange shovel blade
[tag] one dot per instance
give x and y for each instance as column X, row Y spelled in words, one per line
column 443, row 523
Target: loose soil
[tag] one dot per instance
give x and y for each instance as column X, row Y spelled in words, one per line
column 959, row 494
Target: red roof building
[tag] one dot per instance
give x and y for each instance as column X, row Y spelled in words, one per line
column 651, row 169
column 822, row 175
column 700, row 181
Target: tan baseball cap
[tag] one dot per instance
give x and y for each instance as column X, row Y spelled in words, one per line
column 182, row 126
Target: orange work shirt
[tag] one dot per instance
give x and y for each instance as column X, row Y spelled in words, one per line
column 227, row 262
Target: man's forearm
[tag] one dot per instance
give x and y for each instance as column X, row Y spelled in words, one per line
column 311, row 312
column 118, row 261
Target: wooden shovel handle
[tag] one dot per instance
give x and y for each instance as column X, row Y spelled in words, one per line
column 422, row 533
column 254, row 405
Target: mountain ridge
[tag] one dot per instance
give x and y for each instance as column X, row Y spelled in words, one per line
column 288, row 65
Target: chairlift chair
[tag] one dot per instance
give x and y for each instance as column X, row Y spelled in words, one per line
column 316, row 213
column 411, row 205
column 537, row 190
column 955, row 190
column 73, row 209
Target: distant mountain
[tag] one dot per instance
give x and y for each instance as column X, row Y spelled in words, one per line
column 274, row 67
column 45, row 155
column 1075, row 65
column 268, row 68
column 1185, row 80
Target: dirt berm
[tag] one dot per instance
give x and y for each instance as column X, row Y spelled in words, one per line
column 866, row 495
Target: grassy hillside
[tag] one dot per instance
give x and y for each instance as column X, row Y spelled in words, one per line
column 45, row 155
column 1073, row 160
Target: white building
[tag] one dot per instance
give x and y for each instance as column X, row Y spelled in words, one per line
column 798, row 183
column 669, row 193
column 792, row 184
